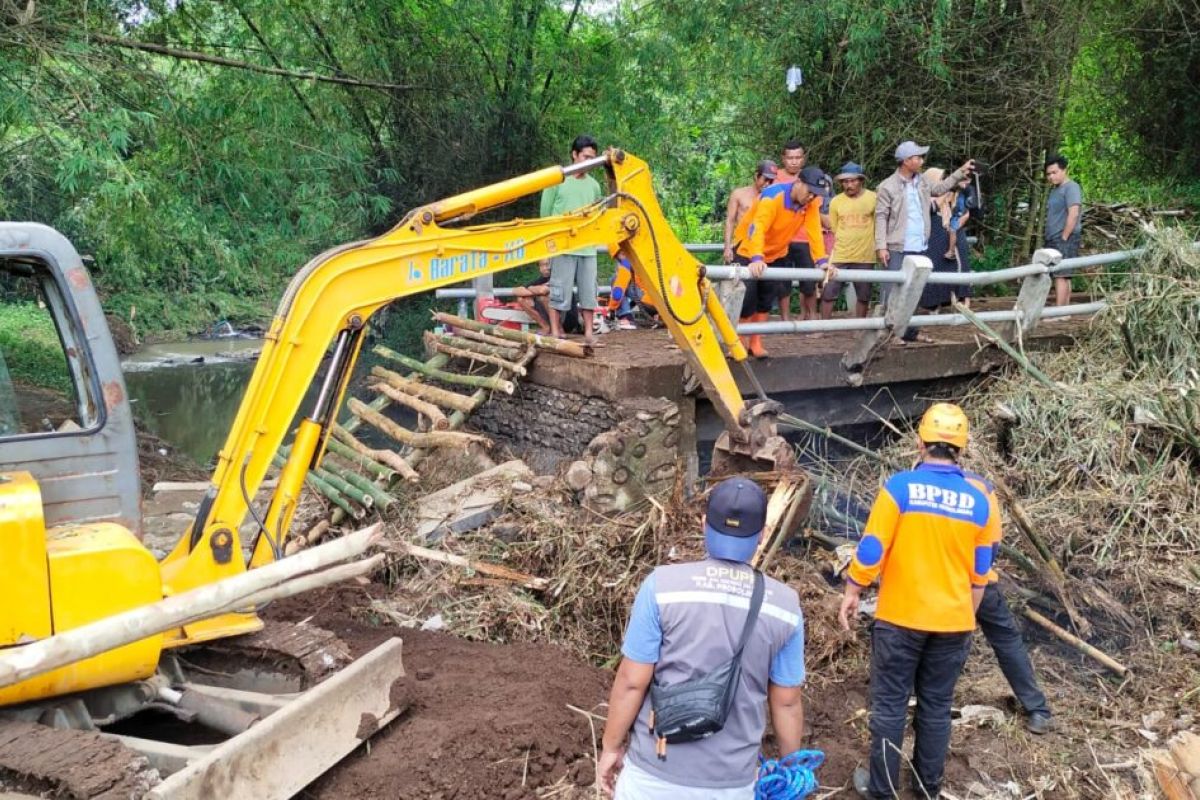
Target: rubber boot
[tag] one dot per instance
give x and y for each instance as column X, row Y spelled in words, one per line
column 745, row 340
column 756, row 346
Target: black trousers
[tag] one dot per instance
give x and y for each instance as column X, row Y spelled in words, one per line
column 761, row 295
column 904, row 662
column 1000, row 628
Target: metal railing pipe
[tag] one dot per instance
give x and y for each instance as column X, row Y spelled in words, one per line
column 924, row 321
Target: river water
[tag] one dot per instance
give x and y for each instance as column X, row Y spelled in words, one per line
column 187, row 393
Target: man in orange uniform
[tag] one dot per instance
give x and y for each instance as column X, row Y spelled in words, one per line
column 929, row 540
column 781, row 210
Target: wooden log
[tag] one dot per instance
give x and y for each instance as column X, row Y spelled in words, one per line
column 356, row 459
column 387, row 457
column 1053, row 573
column 437, row 420
column 1076, row 642
column 309, row 537
column 560, row 346
column 482, row 567
column 1170, row 778
column 1185, row 748
column 478, row 381
column 27, row 661
column 405, row 436
column 483, row 338
column 457, row 352
column 433, row 394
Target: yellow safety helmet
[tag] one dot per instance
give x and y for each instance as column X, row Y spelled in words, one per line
column 944, row 422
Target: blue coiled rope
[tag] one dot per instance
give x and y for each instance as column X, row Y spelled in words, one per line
column 789, row 778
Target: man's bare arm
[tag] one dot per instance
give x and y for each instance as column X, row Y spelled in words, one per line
column 787, row 716
column 624, row 701
column 1072, row 221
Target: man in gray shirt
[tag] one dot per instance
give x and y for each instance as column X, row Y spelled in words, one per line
column 1064, row 207
column 687, row 619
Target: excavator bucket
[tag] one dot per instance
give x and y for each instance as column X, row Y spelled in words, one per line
column 756, row 446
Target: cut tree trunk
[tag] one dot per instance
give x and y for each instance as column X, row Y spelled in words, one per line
column 405, row 436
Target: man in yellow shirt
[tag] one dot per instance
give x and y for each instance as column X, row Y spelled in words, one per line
column 929, row 541
column 852, row 220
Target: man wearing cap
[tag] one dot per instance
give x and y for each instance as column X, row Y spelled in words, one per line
column 781, row 210
column 929, row 541
column 852, row 219
column 687, row 620
column 741, row 200
column 902, row 206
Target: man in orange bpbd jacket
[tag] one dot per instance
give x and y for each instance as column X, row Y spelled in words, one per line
column 929, row 541
column 780, row 211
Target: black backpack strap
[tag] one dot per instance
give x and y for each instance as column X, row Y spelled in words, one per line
column 756, row 600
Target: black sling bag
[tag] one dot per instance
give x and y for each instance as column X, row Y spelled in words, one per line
column 696, row 708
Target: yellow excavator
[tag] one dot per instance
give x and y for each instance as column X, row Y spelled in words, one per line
column 70, row 551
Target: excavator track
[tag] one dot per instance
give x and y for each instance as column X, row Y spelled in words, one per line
column 77, row 765
column 282, row 657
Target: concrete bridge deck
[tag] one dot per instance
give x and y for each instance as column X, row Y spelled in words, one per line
column 803, row 371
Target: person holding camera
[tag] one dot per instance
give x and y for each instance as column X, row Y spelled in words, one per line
column 709, row 646
column 902, row 213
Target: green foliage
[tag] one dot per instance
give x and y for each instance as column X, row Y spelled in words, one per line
column 201, row 189
column 31, row 349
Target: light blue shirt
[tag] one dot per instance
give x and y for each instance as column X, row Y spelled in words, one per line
column 914, row 230
column 643, row 640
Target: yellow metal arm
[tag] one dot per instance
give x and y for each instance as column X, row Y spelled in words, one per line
column 333, row 296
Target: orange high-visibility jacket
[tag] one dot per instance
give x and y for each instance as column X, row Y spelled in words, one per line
column 929, row 540
column 773, row 221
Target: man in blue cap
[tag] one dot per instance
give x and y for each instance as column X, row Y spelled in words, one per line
column 687, row 620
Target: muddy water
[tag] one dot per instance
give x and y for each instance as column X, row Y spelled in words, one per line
column 187, row 393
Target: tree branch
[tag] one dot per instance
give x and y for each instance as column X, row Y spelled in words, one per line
column 191, row 55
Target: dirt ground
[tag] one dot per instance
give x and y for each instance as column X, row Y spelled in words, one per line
column 486, row 720
column 509, row 721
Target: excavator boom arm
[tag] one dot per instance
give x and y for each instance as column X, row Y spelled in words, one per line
column 333, row 296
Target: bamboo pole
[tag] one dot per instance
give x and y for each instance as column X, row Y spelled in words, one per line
column 357, row 459
column 326, row 490
column 328, row 473
column 380, row 403
column 1011, row 351
column 483, row 338
column 1076, row 642
column 471, row 355
column 560, row 346
column 458, row 417
column 309, row 582
column 383, row 501
column 509, row 351
column 452, row 400
column 27, row 661
column 495, row 570
column 387, row 457
column 405, row 436
column 478, row 381
column 437, row 420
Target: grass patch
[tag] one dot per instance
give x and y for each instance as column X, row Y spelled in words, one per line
column 31, row 349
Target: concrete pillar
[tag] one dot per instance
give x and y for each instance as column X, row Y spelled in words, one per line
column 902, row 301
column 1032, row 298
